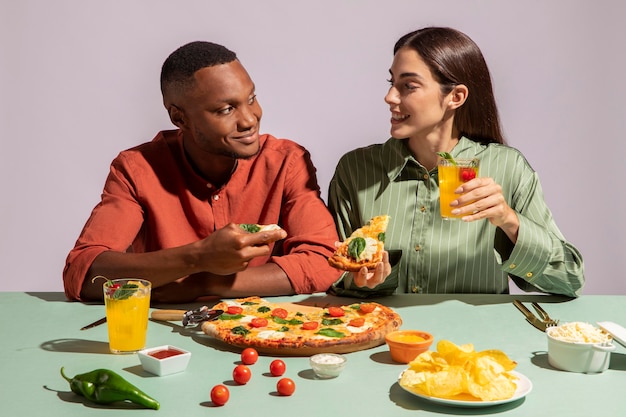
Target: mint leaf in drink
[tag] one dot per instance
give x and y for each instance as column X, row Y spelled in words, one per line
column 447, row 157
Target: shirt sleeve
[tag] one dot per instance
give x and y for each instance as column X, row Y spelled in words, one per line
column 541, row 256
column 113, row 225
column 310, row 228
column 347, row 218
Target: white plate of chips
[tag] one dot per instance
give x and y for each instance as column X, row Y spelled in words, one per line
column 524, row 386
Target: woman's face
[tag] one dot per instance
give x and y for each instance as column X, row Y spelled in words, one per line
column 418, row 109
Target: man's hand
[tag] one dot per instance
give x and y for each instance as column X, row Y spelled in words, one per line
column 230, row 249
column 371, row 279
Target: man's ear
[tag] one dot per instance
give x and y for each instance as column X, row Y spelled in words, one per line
column 457, row 96
column 177, row 115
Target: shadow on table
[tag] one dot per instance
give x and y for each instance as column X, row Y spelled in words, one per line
column 540, row 359
column 407, row 300
column 50, row 296
column 71, row 397
column 409, row 402
column 75, row 346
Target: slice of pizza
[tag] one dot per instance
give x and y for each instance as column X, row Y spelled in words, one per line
column 363, row 248
column 255, row 228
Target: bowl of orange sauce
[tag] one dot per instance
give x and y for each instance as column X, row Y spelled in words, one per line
column 406, row 345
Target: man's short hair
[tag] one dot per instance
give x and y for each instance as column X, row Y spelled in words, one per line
column 178, row 69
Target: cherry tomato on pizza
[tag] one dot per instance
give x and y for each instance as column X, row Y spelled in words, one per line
column 285, row 386
column 310, row 325
column 336, row 311
column 277, row 367
column 366, row 307
column 249, row 356
column 280, row 313
column 358, row 322
column 241, row 374
column 220, row 395
column 234, row 310
column 258, row 322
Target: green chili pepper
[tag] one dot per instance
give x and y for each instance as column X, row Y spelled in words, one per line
column 105, row 387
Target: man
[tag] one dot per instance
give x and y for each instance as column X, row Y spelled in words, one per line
column 171, row 207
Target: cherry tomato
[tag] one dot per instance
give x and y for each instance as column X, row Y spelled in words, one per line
column 357, row 322
column 241, row 374
column 277, row 367
column 367, row 307
column 466, row 174
column 234, row 310
column 219, row 395
column 249, row 356
column 258, row 322
column 336, row 311
column 310, row 325
column 280, row 313
column 285, row 386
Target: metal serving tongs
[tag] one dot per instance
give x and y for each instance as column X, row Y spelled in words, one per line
column 190, row 317
column 542, row 322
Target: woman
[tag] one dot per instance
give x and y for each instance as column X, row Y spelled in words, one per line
column 441, row 100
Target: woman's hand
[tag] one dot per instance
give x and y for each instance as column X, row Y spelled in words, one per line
column 481, row 198
column 371, row 279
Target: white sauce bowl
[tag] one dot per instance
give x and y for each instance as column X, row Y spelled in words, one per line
column 578, row 356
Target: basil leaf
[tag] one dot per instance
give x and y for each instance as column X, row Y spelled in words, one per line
column 226, row 316
column 447, row 157
column 381, row 236
column 249, row 303
column 328, row 332
column 250, row 228
column 240, row 330
column 284, row 329
column 263, row 309
column 292, row 322
column 331, row 322
column 125, row 291
column 356, row 247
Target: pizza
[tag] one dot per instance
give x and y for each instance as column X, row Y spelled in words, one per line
column 299, row 329
column 255, row 228
column 363, row 248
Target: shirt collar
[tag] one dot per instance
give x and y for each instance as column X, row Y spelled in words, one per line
column 399, row 156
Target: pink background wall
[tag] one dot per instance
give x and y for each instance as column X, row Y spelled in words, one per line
column 79, row 83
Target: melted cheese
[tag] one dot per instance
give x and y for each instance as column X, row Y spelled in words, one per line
column 270, row 334
column 371, row 246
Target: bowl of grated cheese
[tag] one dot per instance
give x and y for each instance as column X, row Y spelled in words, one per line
column 579, row 347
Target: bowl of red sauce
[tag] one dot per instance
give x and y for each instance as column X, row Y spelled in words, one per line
column 164, row 360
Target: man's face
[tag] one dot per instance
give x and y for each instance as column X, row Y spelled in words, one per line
column 221, row 113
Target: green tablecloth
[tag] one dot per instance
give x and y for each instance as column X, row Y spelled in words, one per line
column 40, row 333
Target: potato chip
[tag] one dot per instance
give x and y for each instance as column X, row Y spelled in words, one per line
column 458, row 371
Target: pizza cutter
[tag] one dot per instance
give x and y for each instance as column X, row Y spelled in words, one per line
column 190, row 317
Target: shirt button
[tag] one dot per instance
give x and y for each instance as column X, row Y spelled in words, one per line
column 418, row 248
column 529, row 274
column 216, row 197
column 512, row 266
column 426, row 176
column 422, row 209
column 415, row 289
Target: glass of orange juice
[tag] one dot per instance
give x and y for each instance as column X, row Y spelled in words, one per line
column 127, row 304
column 452, row 174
